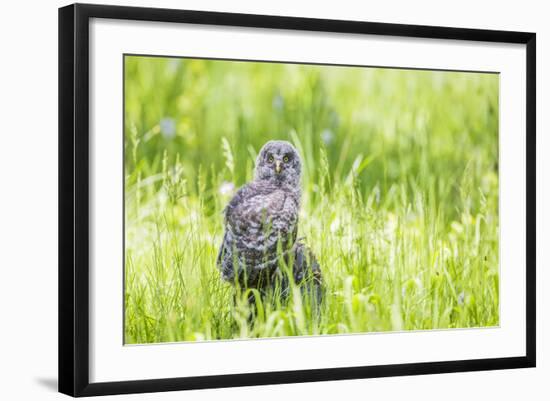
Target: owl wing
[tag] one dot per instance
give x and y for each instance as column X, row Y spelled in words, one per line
column 232, row 216
column 307, row 273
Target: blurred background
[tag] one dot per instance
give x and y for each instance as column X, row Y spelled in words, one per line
column 405, row 124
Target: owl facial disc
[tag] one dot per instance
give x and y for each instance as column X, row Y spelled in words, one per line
column 279, row 162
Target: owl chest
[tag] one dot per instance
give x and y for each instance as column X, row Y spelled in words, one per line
column 276, row 209
column 275, row 212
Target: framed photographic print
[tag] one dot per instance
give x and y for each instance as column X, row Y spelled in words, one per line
column 249, row 199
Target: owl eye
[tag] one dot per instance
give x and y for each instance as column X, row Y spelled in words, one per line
column 270, row 159
column 286, row 159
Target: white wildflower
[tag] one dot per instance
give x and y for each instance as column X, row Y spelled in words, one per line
column 278, row 102
column 327, row 136
column 226, row 188
column 461, row 297
column 168, row 127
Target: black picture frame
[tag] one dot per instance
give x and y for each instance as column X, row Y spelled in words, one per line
column 74, row 198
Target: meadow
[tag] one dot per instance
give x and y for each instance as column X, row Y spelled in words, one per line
column 400, row 195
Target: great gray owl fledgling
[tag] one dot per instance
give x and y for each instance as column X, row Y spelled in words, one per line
column 261, row 225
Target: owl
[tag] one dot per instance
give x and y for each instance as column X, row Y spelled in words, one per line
column 261, row 226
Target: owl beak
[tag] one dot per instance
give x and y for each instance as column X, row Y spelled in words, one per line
column 277, row 166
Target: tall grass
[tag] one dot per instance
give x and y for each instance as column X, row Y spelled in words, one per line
column 400, row 195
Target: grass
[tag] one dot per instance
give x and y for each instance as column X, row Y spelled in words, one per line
column 400, row 195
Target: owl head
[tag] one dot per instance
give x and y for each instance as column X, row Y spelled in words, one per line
column 280, row 162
